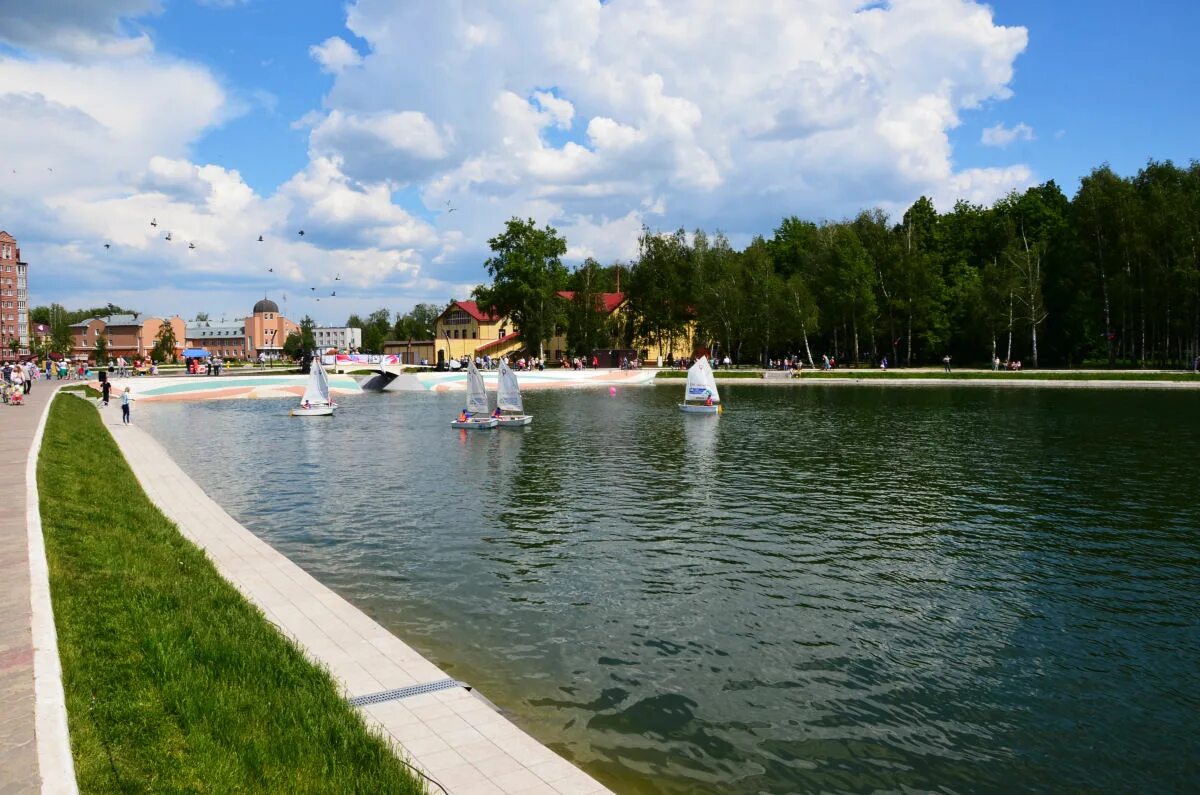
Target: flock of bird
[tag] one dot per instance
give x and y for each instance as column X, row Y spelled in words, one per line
column 192, row 246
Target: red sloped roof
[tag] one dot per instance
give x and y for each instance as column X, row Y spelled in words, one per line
column 472, row 309
column 497, row 343
column 611, row 300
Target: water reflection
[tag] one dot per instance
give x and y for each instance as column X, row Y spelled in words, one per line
column 821, row 589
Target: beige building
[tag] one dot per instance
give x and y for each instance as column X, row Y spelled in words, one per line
column 464, row 329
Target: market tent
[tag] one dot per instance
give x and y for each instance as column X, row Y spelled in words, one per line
column 195, row 353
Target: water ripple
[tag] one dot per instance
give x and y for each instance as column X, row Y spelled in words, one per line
column 823, row 589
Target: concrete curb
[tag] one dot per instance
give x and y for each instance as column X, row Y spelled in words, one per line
column 55, row 763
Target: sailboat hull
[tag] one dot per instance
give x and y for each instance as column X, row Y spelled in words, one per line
column 699, row 408
column 515, row 421
column 313, row 411
column 476, row 425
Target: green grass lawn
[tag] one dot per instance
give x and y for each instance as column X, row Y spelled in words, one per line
column 960, row 375
column 83, row 389
column 174, row 683
column 1028, row 375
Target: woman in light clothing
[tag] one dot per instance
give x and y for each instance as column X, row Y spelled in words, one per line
column 125, row 398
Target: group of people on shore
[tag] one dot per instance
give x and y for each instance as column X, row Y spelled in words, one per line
column 210, row 365
column 1013, row 366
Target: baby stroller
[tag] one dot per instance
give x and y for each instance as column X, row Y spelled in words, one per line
column 13, row 395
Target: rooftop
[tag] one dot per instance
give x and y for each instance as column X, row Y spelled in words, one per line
column 611, row 300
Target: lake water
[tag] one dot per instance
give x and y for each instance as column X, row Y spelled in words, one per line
column 826, row 588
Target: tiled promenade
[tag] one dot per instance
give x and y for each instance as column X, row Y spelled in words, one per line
column 34, row 748
column 455, row 737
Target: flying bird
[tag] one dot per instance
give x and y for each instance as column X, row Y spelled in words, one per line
column 191, row 245
column 333, row 294
column 168, row 237
column 270, row 270
column 301, row 233
column 314, row 289
column 108, row 245
column 260, row 239
column 153, row 222
column 337, row 278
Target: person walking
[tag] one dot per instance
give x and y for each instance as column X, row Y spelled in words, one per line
column 29, row 376
column 125, row 398
column 105, row 389
column 946, row 361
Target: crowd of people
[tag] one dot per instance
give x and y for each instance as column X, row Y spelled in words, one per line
column 209, row 365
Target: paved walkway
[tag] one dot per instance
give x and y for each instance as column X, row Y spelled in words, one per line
column 444, row 729
column 34, row 748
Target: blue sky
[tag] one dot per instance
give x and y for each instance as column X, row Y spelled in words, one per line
column 1101, row 80
column 365, row 123
column 1116, row 78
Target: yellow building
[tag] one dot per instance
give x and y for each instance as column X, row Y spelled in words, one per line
column 616, row 307
column 463, row 329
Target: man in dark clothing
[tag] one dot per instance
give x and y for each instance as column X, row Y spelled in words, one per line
column 105, row 388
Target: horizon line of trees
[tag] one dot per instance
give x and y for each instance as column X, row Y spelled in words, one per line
column 1110, row 276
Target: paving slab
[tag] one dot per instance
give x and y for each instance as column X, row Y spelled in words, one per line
column 35, row 752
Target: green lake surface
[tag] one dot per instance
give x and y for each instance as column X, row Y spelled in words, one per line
column 827, row 588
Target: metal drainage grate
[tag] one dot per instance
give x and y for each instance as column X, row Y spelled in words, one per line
column 405, row 692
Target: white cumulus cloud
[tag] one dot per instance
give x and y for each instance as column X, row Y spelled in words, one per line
column 335, row 54
column 1001, row 136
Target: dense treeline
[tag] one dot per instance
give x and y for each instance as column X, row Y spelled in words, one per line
column 1111, row 276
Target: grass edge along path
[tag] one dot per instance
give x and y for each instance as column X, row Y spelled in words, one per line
column 960, row 375
column 173, row 681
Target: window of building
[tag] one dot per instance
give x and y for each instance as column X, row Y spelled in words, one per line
column 503, row 332
column 474, row 334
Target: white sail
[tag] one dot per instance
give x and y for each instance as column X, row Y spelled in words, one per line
column 700, row 382
column 316, row 393
column 477, row 402
column 508, row 398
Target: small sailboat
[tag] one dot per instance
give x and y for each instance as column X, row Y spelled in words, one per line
column 508, row 399
column 316, row 401
column 701, row 396
column 475, row 415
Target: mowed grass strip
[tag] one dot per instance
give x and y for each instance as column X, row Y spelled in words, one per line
column 966, row 375
column 173, row 681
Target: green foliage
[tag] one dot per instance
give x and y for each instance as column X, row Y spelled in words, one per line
column 51, row 315
column 662, row 287
column 300, row 343
column 100, row 351
column 375, row 330
column 527, row 273
column 173, row 682
column 587, row 323
column 164, row 345
column 417, row 323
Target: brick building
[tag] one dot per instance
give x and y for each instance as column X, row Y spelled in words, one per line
column 132, row 336
column 14, row 297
